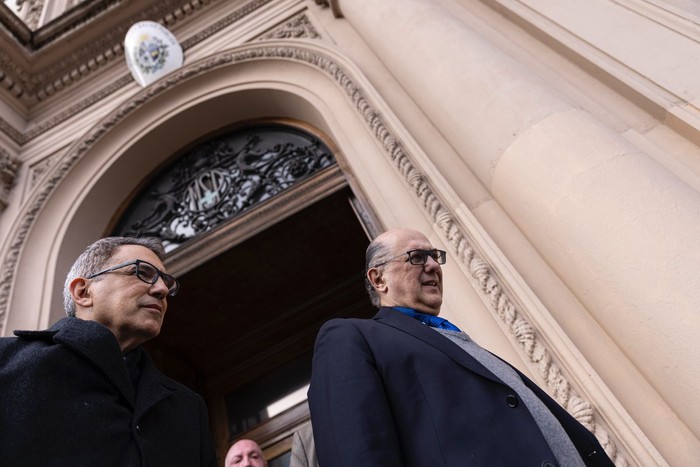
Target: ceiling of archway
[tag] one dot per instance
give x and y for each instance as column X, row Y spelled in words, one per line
column 261, row 302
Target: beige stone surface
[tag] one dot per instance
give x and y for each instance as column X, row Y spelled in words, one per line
column 550, row 146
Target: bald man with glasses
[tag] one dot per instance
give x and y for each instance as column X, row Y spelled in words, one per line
column 408, row 388
column 84, row 392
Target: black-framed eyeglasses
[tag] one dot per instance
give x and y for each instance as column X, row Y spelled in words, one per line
column 419, row 257
column 146, row 272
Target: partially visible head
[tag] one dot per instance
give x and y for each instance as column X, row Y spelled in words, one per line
column 245, row 453
column 131, row 308
column 377, row 252
column 397, row 282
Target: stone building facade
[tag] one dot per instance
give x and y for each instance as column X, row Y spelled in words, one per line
column 551, row 148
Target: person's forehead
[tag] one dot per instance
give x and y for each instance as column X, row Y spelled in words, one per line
column 411, row 240
column 246, row 448
column 126, row 253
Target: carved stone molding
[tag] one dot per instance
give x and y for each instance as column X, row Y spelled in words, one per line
column 15, row 26
column 296, row 28
column 40, row 85
column 31, row 11
column 9, row 77
column 335, row 8
column 223, row 23
column 17, row 136
column 84, row 61
column 8, row 170
column 40, row 168
column 486, row 282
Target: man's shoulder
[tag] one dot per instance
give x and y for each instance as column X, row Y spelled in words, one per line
column 23, row 337
column 10, row 347
column 376, row 324
column 68, row 324
column 345, row 323
column 149, row 366
column 178, row 387
column 27, row 350
column 186, row 399
column 41, row 334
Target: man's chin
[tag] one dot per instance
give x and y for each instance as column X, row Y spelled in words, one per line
column 431, row 309
column 149, row 332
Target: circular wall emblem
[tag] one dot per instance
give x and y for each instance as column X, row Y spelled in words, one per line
column 151, row 51
column 150, row 54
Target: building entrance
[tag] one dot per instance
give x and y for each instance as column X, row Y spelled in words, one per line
column 242, row 328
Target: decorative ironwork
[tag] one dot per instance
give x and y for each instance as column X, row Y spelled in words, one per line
column 222, row 178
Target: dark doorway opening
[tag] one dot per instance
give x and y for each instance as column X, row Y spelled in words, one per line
column 256, row 308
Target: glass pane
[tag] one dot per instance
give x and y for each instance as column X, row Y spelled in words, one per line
column 268, row 395
column 281, row 461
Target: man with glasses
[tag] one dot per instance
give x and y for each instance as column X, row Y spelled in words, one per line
column 408, row 388
column 84, row 392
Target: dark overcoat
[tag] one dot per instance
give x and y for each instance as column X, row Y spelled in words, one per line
column 66, row 400
column 390, row 391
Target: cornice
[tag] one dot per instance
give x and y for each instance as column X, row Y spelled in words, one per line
column 11, row 74
column 76, row 17
column 462, row 245
column 15, row 27
column 49, row 76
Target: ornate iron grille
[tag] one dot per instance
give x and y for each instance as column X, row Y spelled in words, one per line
column 220, row 179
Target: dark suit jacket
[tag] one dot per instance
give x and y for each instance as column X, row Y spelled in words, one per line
column 390, row 391
column 67, row 400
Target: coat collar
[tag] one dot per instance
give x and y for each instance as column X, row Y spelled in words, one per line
column 415, row 328
column 96, row 343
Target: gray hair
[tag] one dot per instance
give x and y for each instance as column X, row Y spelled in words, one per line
column 97, row 255
column 377, row 251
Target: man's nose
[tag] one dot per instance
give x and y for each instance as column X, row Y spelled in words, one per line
column 431, row 264
column 159, row 289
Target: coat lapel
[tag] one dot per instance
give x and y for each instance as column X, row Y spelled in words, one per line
column 152, row 387
column 415, row 328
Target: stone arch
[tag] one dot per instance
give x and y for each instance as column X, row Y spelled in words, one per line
column 76, row 198
column 300, row 80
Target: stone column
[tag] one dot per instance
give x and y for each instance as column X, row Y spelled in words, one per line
column 617, row 227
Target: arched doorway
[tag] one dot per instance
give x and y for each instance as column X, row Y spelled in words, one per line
column 258, row 284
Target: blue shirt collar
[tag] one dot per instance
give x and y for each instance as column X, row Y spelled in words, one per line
column 430, row 320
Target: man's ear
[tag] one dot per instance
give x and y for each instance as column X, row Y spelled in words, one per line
column 376, row 278
column 80, row 292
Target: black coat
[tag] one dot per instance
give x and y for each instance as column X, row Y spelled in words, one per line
column 66, row 400
column 390, row 392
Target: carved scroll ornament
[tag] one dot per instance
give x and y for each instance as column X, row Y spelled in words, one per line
column 8, row 171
